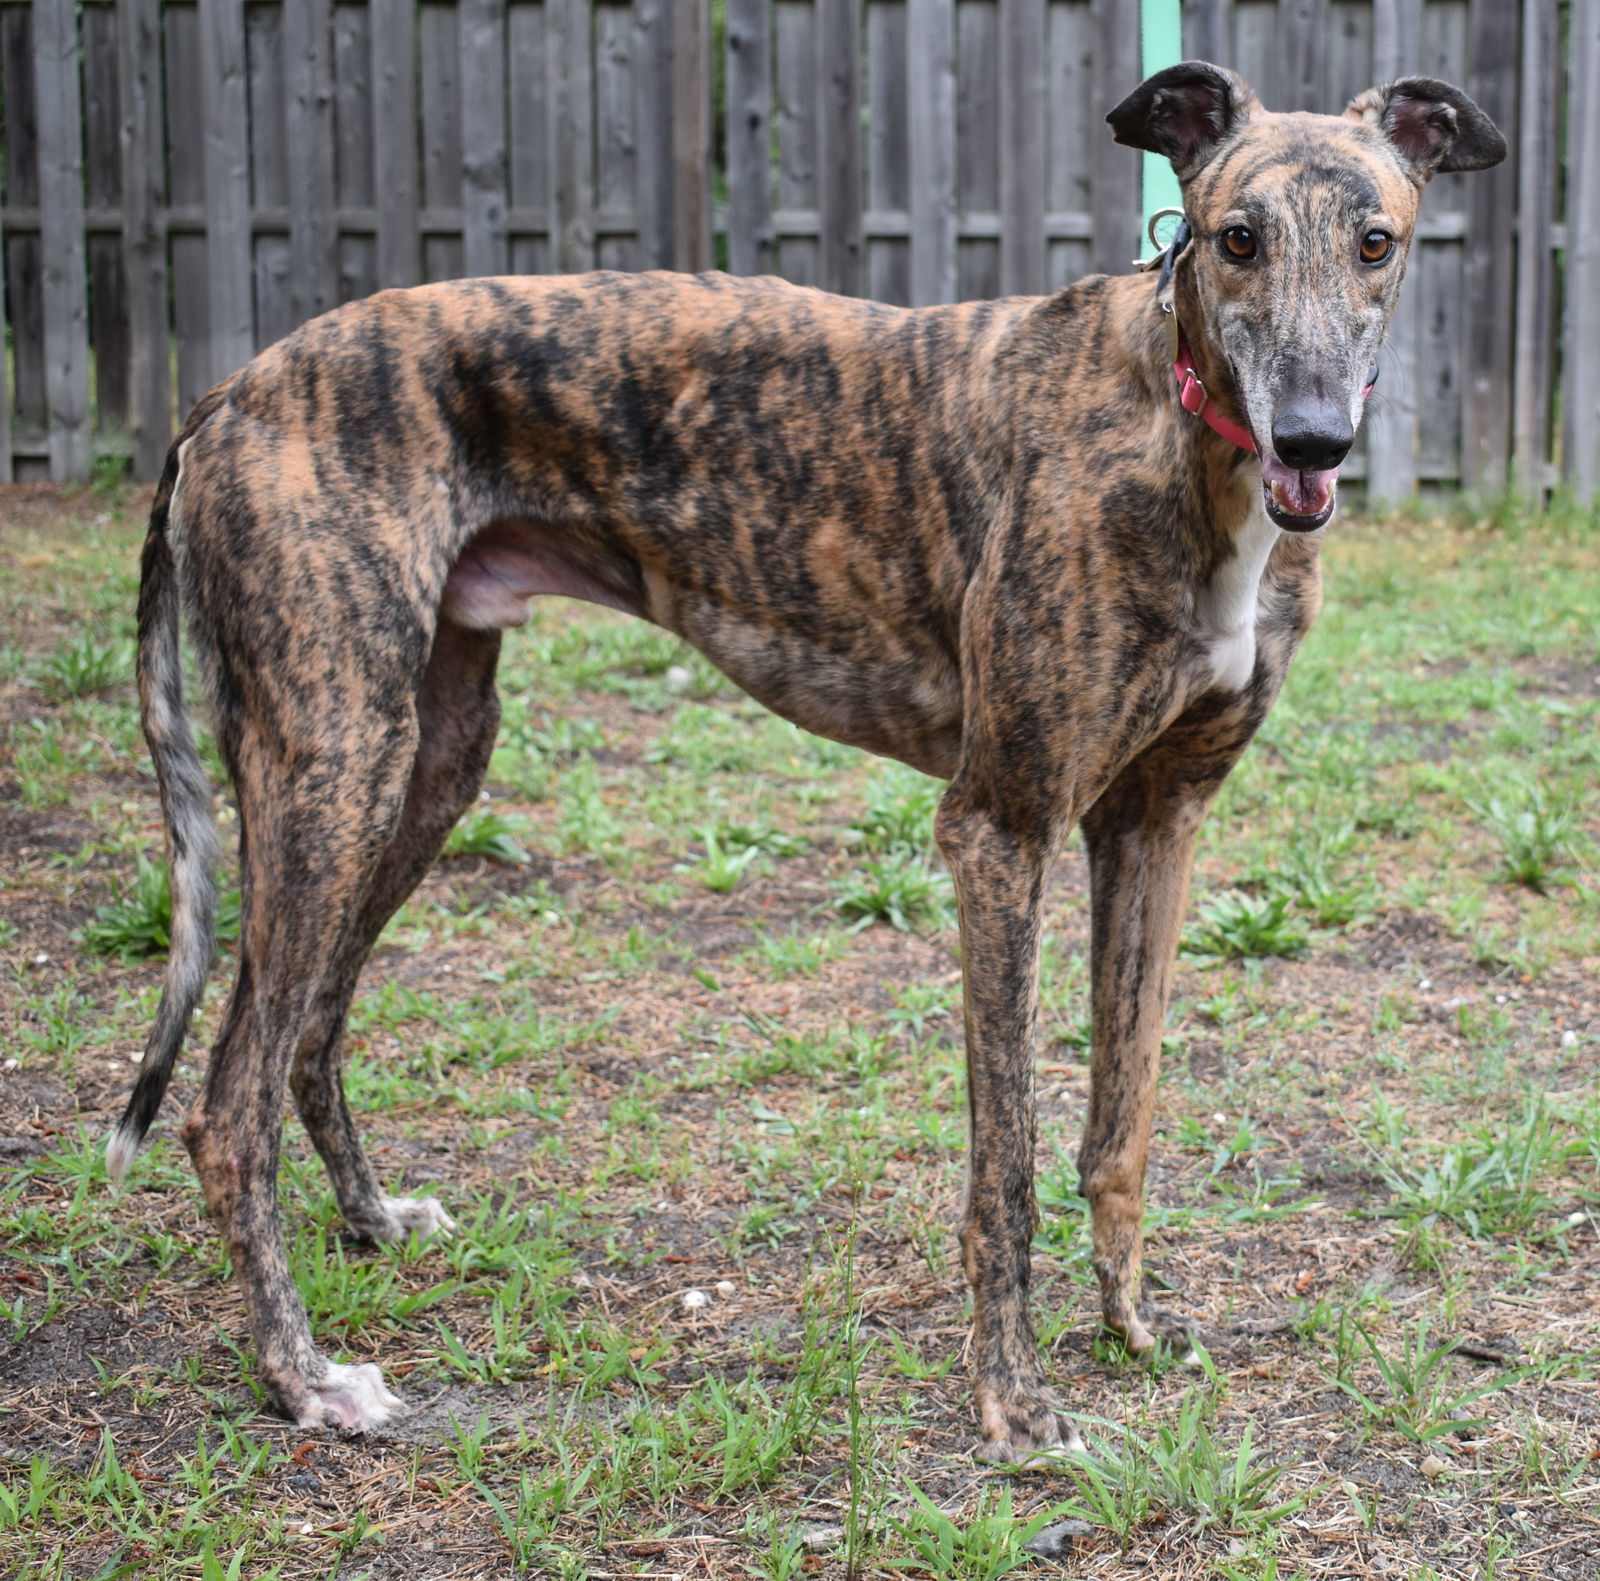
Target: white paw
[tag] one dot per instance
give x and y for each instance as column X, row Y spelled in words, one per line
column 417, row 1213
column 352, row 1399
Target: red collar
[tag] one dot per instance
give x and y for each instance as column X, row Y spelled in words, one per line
column 1194, row 397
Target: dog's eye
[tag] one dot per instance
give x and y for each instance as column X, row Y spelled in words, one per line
column 1240, row 241
column 1376, row 246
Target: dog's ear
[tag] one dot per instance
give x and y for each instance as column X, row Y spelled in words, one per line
column 1432, row 126
column 1184, row 112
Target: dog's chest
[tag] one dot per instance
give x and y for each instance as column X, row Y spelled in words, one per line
column 1227, row 606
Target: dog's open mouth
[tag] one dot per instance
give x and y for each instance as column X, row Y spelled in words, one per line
column 1297, row 501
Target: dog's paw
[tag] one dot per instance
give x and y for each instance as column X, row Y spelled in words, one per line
column 424, row 1214
column 1159, row 1336
column 351, row 1399
column 1025, row 1428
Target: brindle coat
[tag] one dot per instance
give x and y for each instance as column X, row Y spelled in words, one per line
column 983, row 539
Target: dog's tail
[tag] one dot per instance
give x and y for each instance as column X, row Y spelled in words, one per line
column 185, row 810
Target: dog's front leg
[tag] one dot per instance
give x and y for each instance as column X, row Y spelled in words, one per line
column 1000, row 866
column 1140, row 841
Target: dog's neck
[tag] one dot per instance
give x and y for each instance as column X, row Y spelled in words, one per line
column 1226, row 478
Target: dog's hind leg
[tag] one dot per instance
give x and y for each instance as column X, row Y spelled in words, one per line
column 317, row 810
column 457, row 715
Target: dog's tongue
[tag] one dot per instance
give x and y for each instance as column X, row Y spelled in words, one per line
column 1298, row 493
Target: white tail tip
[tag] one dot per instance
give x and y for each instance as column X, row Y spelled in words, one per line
column 121, row 1149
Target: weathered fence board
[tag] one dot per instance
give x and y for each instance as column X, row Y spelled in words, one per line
column 751, row 248
column 102, row 173
column 571, row 67
column 233, row 167
column 794, row 41
column 1580, row 385
column 1022, row 147
column 64, row 288
column 483, row 137
column 838, row 144
column 393, row 25
column 689, row 113
column 931, row 149
column 1114, row 184
column 1489, row 258
column 6, row 465
column 1391, row 426
column 23, row 262
column 144, row 241
column 1538, row 168
column 308, row 44
column 229, row 262
column 888, row 150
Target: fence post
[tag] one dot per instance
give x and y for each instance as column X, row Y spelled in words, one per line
column 839, row 145
column 227, row 168
column 1022, row 136
column 1537, row 165
column 1580, row 383
column 65, row 287
column 931, row 145
column 1392, row 427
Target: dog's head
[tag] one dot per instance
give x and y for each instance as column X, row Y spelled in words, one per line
column 1301, row 227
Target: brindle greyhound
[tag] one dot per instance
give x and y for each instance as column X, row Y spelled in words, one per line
column 990, row 540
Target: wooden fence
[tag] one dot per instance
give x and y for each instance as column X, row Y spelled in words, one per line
column 185, row 182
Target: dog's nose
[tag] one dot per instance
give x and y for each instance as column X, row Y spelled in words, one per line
column 1312, row 439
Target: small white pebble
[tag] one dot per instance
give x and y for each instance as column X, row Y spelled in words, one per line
column 1432, row 1466
column 1569, row 1040
column 726, row 1287
column 447, row 968
column 1425, row 984
column 41, row 959
column 1573, row 1219
column 693, row 1300
column 1221, row 1119
column 676, row 677
column 10, row 1064
column 1499, row 999
column 307, row 1529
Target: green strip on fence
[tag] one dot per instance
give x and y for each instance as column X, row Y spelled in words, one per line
column 1161, row 45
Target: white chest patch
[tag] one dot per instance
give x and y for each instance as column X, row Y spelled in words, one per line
column 1226, row 607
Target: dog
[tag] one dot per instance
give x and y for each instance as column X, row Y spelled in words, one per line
column 1057, row 551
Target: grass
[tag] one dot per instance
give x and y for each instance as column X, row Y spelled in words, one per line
column 137, row 921
column 680, row 1012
